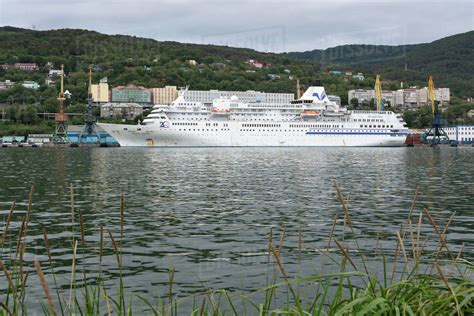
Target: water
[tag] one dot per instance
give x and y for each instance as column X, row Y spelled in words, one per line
column 207, row 211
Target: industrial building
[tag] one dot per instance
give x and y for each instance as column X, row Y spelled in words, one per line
column 462, row 134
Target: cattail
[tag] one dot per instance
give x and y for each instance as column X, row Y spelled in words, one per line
column 20, row 235
column 332, row 231
column 7, row 274
column 72, row 203
column 300, row 245
column 46, row 243
column 101, row 242
column 7, row 224
column 345, row 254
column 44, row 284
column 81, row 223
column 402, row 246
column 343, row 201
column 122, row 217
column 114, row 244
column 282, row 239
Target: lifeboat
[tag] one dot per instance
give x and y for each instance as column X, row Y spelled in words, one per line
column 310, row 114
column 220, row 111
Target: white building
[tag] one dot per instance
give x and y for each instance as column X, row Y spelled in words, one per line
column 363, row 95
column 249, row 96
column 30, row 85
column 462, row 134
column 403, row 98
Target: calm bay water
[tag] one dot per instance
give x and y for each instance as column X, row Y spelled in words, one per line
column 208, row 211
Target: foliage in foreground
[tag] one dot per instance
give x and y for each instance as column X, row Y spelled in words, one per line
column 415, row 282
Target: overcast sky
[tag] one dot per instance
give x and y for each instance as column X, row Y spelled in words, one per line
column 265, row 25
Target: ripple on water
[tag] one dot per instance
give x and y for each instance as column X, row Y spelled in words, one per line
column 208, row 211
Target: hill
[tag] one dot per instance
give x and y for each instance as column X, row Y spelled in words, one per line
column 150, row 63
column 450, row 60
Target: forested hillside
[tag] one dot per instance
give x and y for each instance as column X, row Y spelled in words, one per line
column 140, row 61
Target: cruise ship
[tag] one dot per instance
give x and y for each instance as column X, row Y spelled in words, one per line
column 312, row 120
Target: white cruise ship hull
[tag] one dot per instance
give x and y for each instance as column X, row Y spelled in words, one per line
column 236, row 136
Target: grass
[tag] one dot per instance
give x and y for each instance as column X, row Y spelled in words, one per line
column 414, row 281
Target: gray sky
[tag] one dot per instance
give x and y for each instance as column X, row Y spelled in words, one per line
column 265, row 25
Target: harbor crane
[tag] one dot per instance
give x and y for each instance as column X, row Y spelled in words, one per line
column 89, row 133
column 436, row 134
column 298, row 89
column 60, row 135
column 379, row 102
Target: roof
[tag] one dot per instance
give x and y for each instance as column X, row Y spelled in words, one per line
column 130, row 86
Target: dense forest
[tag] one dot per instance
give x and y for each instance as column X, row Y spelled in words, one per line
column 140, row 61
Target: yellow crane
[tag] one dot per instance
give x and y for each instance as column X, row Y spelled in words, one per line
column 431, row 94
column 378, row 94
column 298, row 89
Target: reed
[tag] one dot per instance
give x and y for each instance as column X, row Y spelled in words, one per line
column 352, row 290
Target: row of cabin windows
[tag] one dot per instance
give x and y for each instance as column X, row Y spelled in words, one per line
column 376, row 126
column 261, row 125
column 313, row 126
column 183, row 123
column 368, row 120
column 205, row 130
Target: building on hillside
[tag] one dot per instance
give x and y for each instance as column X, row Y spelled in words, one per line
column 30, row 85
column 422, row 96
column 100, row 92
column 164, row 95
column 388, row 97
column 443, row 95
column 121, row 110
column 273, row 76
column 398, row 98
column 26, row 66
column 54, row 73
column 362, row 95
column 470, row 113
column 335, row 72
column 462, row 134
column 410, row 98
column 249, row 96
column 131, row 94
column 7, row 84
column 359, row 76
